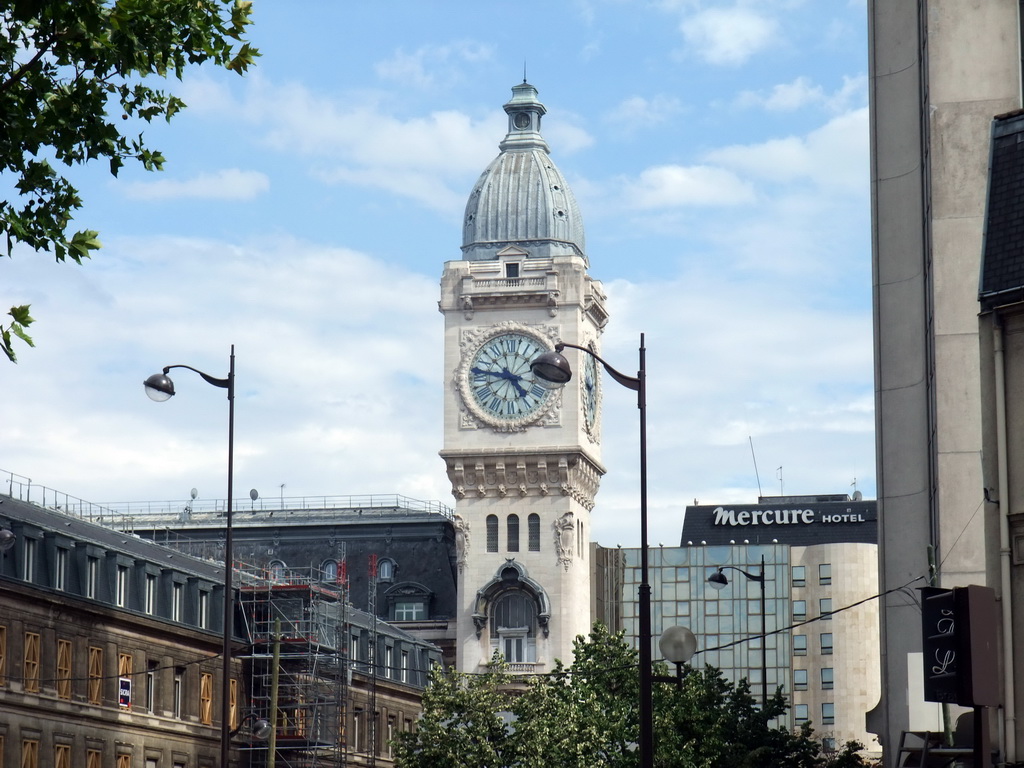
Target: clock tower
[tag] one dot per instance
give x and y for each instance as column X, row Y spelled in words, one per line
column 524, row 461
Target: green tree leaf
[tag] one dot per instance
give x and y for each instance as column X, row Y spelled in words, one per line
column 70, row 72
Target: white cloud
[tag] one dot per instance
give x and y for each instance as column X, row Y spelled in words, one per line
column 784, row 97
column 227, row 184
column 638, row 112
column 671, row 186
column 803, row 92
column 353, row 139
column 429, row 64
column 335, row 377
column 729, row 36
column 833, row 156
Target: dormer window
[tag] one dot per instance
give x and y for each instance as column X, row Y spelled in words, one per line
column 512, row 270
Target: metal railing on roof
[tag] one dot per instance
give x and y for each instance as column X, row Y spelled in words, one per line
column 132, row 514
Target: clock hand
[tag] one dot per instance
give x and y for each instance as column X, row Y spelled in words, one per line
column 483, row 372
column 514, row 379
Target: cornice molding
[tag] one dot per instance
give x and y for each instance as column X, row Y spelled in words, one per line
column 510, row 475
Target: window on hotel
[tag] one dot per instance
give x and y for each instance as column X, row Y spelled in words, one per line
column 204, row 610
column 800, row 713
column 827, row 678
column 64, row 669
column 95, row 675
column 512, row 541
column 513, row 627
column 92, row 577
column 125, row 666
column 28, row 571
column 828, row 713
column 177, row 601
column 29, row 753
column 799, row 645
column 93, row 759
column 799, row 575
column 826, row 643
column 62, row 756
column 152, row 666
column 178, row 692
column 121, row 597
column 825, row 574
column 150, row 605
column 206, row 699
column 825, row 608
column 410, row 610
column 533, row 532
column 799, row 610
column 31, row 665
column 799, row 679
column 3, row 655
column 60, row 570
column 492, row 533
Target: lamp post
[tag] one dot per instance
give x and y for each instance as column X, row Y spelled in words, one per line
column 553, row 368
column 160, row 388
column 718, row 580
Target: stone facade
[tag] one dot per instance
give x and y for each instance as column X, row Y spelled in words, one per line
column 84, row 609
column 939, row 72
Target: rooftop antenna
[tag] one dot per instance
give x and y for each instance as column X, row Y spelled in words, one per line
column 778, row 473
column 756, row 474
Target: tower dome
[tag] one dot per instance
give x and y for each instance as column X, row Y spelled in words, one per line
column 522, row 199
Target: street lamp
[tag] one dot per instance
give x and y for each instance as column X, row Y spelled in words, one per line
column 553, row 368
column 677, row 645
column 718, row 580
column 160, row 388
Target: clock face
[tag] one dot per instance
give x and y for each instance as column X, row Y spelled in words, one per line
column 588, row 391
column 499, row 381
column 521, row 120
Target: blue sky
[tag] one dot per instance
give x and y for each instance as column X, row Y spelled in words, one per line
column 719, row 153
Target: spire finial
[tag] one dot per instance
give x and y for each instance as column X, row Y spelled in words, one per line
column 524, row 70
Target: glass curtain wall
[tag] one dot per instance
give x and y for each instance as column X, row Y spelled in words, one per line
column 727, row 622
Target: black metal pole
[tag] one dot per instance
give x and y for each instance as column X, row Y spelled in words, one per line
column 646, row 682
column 764, row 641
column 552, row 367
column 229, row 564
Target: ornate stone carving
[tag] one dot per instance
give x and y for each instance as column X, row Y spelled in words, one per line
column 461, row 540
column 565, row 535
column 497, row 475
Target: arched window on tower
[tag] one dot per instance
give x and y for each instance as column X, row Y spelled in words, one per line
column 277, row 570
column 513, row 533
column 533, row 532
column 513, row 623
column 492, row 533
column 329, row 571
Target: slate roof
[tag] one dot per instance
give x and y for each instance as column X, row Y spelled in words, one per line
column 1002, row 262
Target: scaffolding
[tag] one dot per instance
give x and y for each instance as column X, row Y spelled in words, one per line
column 297, row 663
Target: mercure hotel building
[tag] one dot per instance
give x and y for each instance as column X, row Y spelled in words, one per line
column 820, row 616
